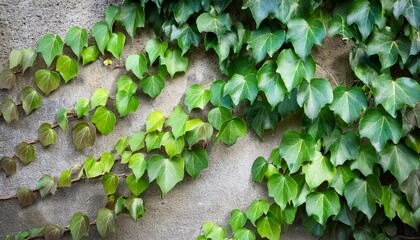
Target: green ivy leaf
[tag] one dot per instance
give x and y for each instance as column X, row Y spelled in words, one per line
column 304, row 35
column 282, row 188
column 90, row 54
column 348, row 104
column 8, row 165
column 207, row 22
column 410, row 9
column 231, row 130
column 393, row 95
column 241, row 87
column 136, row 186
column 77, row 39
column 106, row 222
column 221, row 44
column 46, row 185
column 126, row 102
column 172, row 146
column 263, row 41
column 323, row 205
column 259, row 167
column 216, row 96
column 83, row 135
column 293, row 69
column 52, row 231
column 104, row 120
column 125, row 83
column 379, row 127
column 99, row 98
column 50, row 46
column 112, row 13
column 174, row 61
column 184, row 9
column 15, row 58
column 212, row 231
column 318, row 171
column 30, row 98
column 136, row 141
column 399, row 160
column 155, row 48
column 168, row 172
column 121, row 145
column 177, row 121
column 25, row 152
column 65, row 179
column 187, row 36
column 47, row 81
column 324, row 124
column 137, row 64
column 411, row 187
column 46, row 134
column 217, row 116
column 155, row 121
column 197, row 130
column 237, row 219
column 110, row 183
column 9, row 110
column 93, row 168
column 196, row 96
column 314, row 95
column 260, row 118
column 108, row 160
column 365, row 14
column 257, row 208
column 7, row 79
column 132, row 17
column 153, row 140
column 82, row 107
column 135, row 207
column 296, row 148
column 366, row 160
column 138, row 165
column 67, row 67
column 271, row 83
column 269, row 226
column 406, row 215
column 23, row 57
column 244, row 234
column 101, row 34
column 363, row 194
column 338, row 26
column 25, row 197
column 343, row 146
column 196, row 160
column 261, row 9
column 153, row 85
column 79, row 226
column 116, row 44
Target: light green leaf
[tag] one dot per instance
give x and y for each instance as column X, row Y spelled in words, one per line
column 213, row 231
column 155, row 48
column 244, row 234
column 153, row 140
column 136, row 141
column 237, row 219
column 8, row 165
column 93, row 168
column 67, row 67
column 116, row 44
column 259, row 167
column 82, row 107
column 366, row 160
column 348, row 104
column 304, row 35
column 25, row 197
column 99, row 98
column 112, row 13
column 65, row 179
column 125, row 156
column 196, row 160
column 363, row 194
column 110, row 183
column 46, row 134
column 207, row 22
column 136, row 186
column 105, row 222
column 126, row 102
column 168, row 172
column 271, row 83
column 296, row 148
column 90, row 54
column 108, row 160
column 137, row 64
column 155, row 121
column 410, row 9
column 257, row 208
column 269, row 227
column 338, row 26
column 379, row 127
column 47, row 81
column 79, row 226
column 393, row 95
column 135, row 207
column 23, row 57
column 15, row 58
column 77, row 39
column 293, row 69
column 50, row 46
column 318, row 171
column 30, row 98
column 138, row 165
column 172, row 146
column 125, row 83
column 221, row 44
column 132, row 17
column 365, row 14
column 46, row 185
column 231, row 130
column 407, row 215
column 217, row 116
column 9, row 110
column 177, row 121
column 263, row 41
column 153, row 85
column 7, row 79
column 241, row 87
column 343, row 146
column 282, row 188
column 196, row 96
column 314, row 95
column 174, row 61
column 101, row 34
column 342, row 176
column 83, row 135
column 323, row 205
column 25, row 152
column 104, row 120
column 261, row 9
column 399, row 160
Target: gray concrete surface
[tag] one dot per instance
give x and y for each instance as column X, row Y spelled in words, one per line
column 225, row 185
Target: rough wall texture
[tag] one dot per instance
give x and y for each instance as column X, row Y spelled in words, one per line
column 225, row 185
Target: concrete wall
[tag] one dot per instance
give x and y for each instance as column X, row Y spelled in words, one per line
column 225, row 185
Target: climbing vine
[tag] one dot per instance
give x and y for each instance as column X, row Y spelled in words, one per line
column 350, row 171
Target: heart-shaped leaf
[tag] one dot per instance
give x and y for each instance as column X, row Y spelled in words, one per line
column 410, row 9
column 67, row 67
column 25, row 197
column 50, row 46
column 116, row 44
column 8, row 165
column 132, row 17
column 30, row 98
column 79, row 226
column 82, row 107
column 112, row 13
column 155, row 121
column 343, row 146
column 241, row 87
column 90, row 54
column 348, row 104
column 177, row 121
column 135, row 207
column 93, row 168
column 174, row 61
column 65, row 179
column 137, row 64
column 46, row 185
column 136, row 186
column 47, row 81
column 314, row 95
column 282, row 188
column 259, row 167
column 77, row 39
column 263, row 41
column 101, row 34
column 271, row 83
column 411, row 187
column 61, row 118
column 104, row 120
column 9, row 110
column 207, row 22
column 126, row 102
column 25, row 152
column 52, row 231
column 296, row 148
column 106, row 222
column 168, row 172
column 196, row 160
column 231, row 130
column 46, row 134
column 136, row 141
column 318, row 171
column 172, row 146
column 155, row 48
column 153, row 85
column 110, row 183
column 99, row 98
column 366, row 160
column 184, row 9
column 216, row 96
column 7, row 79
column 257, row 208
column 322, row 205
column 138, row 165
column 83, row 135
column 261, row 9
column 365, row 14
column 188, row 35
column 196, row 96
column 237, row 219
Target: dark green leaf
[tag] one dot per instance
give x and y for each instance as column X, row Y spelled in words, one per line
column 183, row 9
column 53, row 232
column 7, row 79
column 323, row 125
column 313, row 95
column 105, row 222
column 261, row 9
column 348, row 104
column 217, row 116
column 132, row 17
column 231, row 130
column 366, row 160
column 25, row 196
column 196, row 160
column 83, row 135
column 50, row 46
column 217, row 98
column 187, row 36
column 47, row 81
column 30, row 98
column 406, row 215
column 153, row 85
column 221, row 44
column 241, row 87
column 8, row 165
column 322, row 205
column 260, row 118
column 271, row 83
column 259, row 167
column 365, row 14
column 25, row 152
column 411, row 187
column 410, row 9
column 61, row 118
column 338, row 26
column 112, row 13
column 342, row 175
column 296, row 149
column 343, row 146
column 79, row 226
column 282, row 188
column 9, row 110
column 110, row 183
column 263, row 41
